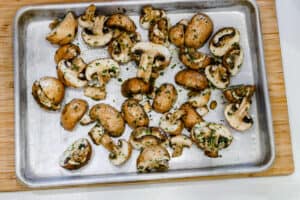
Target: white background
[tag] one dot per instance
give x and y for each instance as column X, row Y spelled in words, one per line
column 287, row 187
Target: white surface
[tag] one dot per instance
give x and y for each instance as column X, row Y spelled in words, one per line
column 253, row 188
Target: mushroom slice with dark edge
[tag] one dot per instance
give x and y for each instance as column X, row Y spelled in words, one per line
column 178, row 143
column 121, row 22
column 198, row 30
column 233, row 59
column 199, row 99
column 193, row 59
column 133, row 86
column 191, row 79
column 236, row 93
column 98, row 36
column 109, row 117
column 165, row 98
column 150, row 56
column 191, row 116
column 171, row 123
column 88, row 18
column 218, row 76
column 153, row 158
column 211, row 137
column 143, row 137
column 237, row 115
column 151, row 15
column 77, row 155
column 66, row 52
column 64, row 31
column 72, row 113
column 158, row 32
column 48, row 93
column 176, row 33
column 223, row 40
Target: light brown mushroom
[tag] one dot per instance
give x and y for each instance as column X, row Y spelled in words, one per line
column 133, row 86
column 66, row 52
column 178, row 143
column 176, row 33
column 121, row 22
column 217, row 75
column 233, row 59
column 88, row 18
column 150, row 16
column 171, row 123
column 199, row 99
column 191, row 116
column 194, row 59
column 158, row 32
column 191, row 79
column 165, row 98
column 236, row 93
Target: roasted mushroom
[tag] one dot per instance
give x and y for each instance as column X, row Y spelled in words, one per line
column 199, row 99
column 77, row 155
column 218, row 76
column 237, row 115
column 63, row 32
column 176, row 33
column 86, row 119
column 48, row 93
column 158, row 32
column 211, row 137
column 191, row 117
column 88, row 18
column 109, row 117
column 178, row 143
column 121, row 22
column 193, row 59
column 153, row 158
column 171, row 123
column 223, row 40
column 236, row 93
column 66, row 52
column 133, row 86
column 72, row 113
column 150, row 16
column 191, row 79
column 233, row 59
column 165, row 97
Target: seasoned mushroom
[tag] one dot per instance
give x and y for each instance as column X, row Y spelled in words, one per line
column 194, row 59
column 121, row 22
column 202, row 110
column 199, row 99
column 191, row 79
column 233, row 59
column 77, row 155
column 144, row 100
column 48, row 93
column 143, row 137
column 218, row 76
column 237, row 115
column 178, row 143
column 191, row 116
column 109, row 117
column 150, row 56
column 198, row 31
column 165, row 97
column 133, row 86
column 66, row 52
column 98, row 36
column 171, row 122
column 150, row 16
column 158, row 32
column 176, row 33
column 223, row 40
column 134, row 113
column 64, row 31
column 86, row 119
column 88, row 18
column 72, row 113
column 236, row 93
column 153, row 158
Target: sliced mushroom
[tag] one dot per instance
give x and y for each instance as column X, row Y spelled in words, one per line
column 88, row 18
column 66, row 52
column 211, row 137
column 121, row 22
column 153, row 158
column 72, row 113
column 223, row 40
column 191, row 116
column 133, row 86
column 96, row 134
column 171, row 122
column 194, row 59
column 158, row 32
column 48, row 93
column 150, row 16
column 218, row 76
column 95, row 92
column 178, row 143
column 165, row 97
column 199, row 99
column 202, row 111
column 237, row 115
column 176, row 33
column 233, row 59
column 143, row 137
column 236, row 93
column 63, row 32
column 144, row 100
column 150, row 56
column 77, row 155
column 191, row 79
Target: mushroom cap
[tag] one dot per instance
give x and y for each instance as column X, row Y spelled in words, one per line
column 233, row 59
column 158, row 32
column 66, row 52
column 191, row 116
column 165, row 98
column 171, row 122
column 121, row 153
column 87, row 20
column 194, row 59
column 191, row 79
column 153, row 158
column 217, row 75
column 121, row 21
column 178, row 143
column 236, row 93
column 96, row 93
column 133, row 86
column 199, row 99
column 150, row 15
column 176, row 33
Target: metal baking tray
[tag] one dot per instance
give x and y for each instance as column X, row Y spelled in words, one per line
column 40, row 140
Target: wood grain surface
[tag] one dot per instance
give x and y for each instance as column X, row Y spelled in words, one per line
column 283, row 164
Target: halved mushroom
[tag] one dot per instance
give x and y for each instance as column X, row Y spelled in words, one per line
column 150, row 56
column 121, row 22
column 165, row 97
column 193, row 59
column 191, row 79
column 133, row 86
column 191, row 116
column 176, row 33
column 98, row 36
column 88, row 18
column 153, row 158
column 109, row 117
column 236, row 93
column 237, row 115
column 171, row 122
column 66, row 52
column 48, row 93
column 178, row 143
column 158, row 32
column 211, row 137
column 143, row 137
column 77, row 155
column 151, row 15
column 233, row 59
column 218, row 76
column 198, row 30
column 63, row 32
column 223, row 40
column 199, row 99
column 72, row 113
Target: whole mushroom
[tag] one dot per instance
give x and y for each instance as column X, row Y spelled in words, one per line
column 176, row 33
column 191, row 116
column 165, row 98
column 134, row 86
column 191, row 79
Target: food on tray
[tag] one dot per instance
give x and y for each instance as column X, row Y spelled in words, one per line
column 171, row 123
column 150, row 16
column 202, row 111
column 176, row 33
column 165, row 97
column 77, row 155
column 236, row 93
column 121, row 22
column 133, row 86
column 72, row 113
column 48, row 93
column 158, row 32
column 191, row 116
column 66, row 52
column 199, row 99
column 191, row 79
column 86, row 119
column 193, row 59
column 218, row 76
column 211, row 137
column 233, row 59
column 178, row 143
column 88, row 18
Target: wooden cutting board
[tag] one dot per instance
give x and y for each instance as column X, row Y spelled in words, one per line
column 283, row 164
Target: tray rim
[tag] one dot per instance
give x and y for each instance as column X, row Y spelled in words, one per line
column 21, row 177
